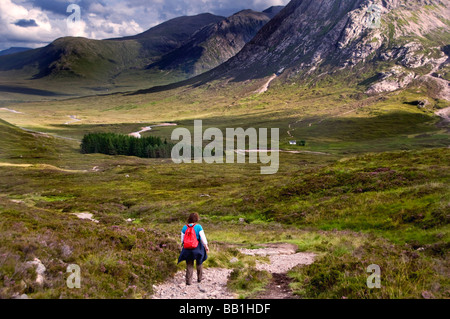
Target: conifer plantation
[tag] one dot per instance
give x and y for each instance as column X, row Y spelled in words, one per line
column 119, row 144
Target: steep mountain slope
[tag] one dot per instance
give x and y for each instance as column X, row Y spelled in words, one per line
column 13, row 50
column 102, row 59
column 171, row 34
column 273, row 11
column 313, row 38
column 214, row 44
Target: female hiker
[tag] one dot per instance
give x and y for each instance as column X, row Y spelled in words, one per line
column 195, row 247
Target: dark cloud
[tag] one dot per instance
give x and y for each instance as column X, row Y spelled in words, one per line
column 26, row 23
column 60, row 6
column 55, row 6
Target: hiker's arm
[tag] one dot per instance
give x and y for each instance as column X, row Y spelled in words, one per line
column 182, row 238
column 204, row 240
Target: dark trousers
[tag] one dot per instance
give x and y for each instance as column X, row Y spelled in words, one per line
column 190, row 271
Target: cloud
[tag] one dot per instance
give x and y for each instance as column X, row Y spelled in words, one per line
column 35, row 23
column 26, row 23
column 17, row 27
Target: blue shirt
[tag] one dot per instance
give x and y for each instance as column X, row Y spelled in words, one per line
column 197, row 228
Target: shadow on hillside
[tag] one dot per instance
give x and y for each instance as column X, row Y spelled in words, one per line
column 29, row 91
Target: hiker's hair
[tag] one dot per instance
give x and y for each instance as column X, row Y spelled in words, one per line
column 193, row 218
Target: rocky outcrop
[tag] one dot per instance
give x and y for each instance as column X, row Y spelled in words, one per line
column 409, row 58
column 40, row 270
column 330, row 34
column 396, row 78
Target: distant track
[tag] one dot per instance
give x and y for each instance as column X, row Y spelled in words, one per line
column 265, row 87
column 74, row 119
column 281, row 151
column 149, row 128
column 10, row 110
column 48, row 135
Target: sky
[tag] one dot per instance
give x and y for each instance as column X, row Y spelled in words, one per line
column 35, row 23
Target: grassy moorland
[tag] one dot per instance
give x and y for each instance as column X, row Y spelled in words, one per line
column 380, row 194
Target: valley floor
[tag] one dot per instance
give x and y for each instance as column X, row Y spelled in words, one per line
column 371, row 186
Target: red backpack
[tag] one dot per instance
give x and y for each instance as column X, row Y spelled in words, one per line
column 190, row 238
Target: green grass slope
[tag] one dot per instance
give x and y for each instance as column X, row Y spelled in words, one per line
column 19, row 144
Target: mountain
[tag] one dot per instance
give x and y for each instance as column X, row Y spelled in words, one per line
column 171, row 34
column 273, row 11
column 214, row 44
column 72, row 57
column 172, row 51
column 13, row 50
column 310, row 39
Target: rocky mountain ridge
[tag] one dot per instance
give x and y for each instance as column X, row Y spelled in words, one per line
column 403, row 40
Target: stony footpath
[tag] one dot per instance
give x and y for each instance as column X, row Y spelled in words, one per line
column 214, row 285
